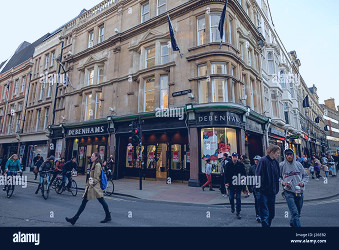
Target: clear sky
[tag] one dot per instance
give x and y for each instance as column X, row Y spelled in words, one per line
column 311, row 27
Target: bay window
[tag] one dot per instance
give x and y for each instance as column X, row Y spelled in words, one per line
column 88, row 107
column 149, row 94
column 219, row 90
column 164, row 54
column 271, row 68
column 214, row 24
column 150, row 57
column 164, row 92
column 98, row 105
column 201, row 32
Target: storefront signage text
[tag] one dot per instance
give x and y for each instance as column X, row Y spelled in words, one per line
column 219, row 118
column 253, row 127
column 277, row 132
column 87, row 131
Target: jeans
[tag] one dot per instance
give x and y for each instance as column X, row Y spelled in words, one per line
column 295, row 204
column 237, row 193
column 84, row 202
column 326, row 173
column 317, row 173
column 222, row 185
column 209, row 181
column 267, row 209
column 64, row 179
column 256, row 195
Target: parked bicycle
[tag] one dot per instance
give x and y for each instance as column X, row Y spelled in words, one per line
column 9, row 189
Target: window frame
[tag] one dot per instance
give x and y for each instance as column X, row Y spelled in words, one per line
column 145, row 91
column 199, row 43
column 143, row 14
column 90, row 39
column 159, row 6
column 166, row 89
column 151, row 58
column 101, row 36
column 218, row 14
column 164, row 55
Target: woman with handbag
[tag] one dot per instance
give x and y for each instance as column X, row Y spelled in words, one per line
column 93, row 190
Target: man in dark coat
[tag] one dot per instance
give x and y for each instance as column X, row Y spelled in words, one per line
column 233, row 173
column 253, row 188
column 269, row 172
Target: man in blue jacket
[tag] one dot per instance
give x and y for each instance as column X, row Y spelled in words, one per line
column 269, row 172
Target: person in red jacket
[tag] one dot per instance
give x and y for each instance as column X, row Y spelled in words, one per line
column 58, row 169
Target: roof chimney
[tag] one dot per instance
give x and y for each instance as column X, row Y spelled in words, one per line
column 330, row 103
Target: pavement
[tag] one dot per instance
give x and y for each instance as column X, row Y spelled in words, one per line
column 179, row 192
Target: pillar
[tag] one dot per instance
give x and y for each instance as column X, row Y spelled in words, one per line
column 194, row 150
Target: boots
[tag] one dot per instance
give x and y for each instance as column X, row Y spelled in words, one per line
column 107, row 218
column 72, row 220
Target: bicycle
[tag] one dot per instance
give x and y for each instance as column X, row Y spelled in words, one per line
column 60, row 188
column 9, row 189
column 54, row 183
column 45, row 183
column 110, row 184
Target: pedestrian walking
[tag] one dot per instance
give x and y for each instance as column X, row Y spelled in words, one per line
column 209, row 176
column 268, row 170
column 253, row 189
column 294, row 179
column 331, row 166
column 316, row 164
column 111, row 164
column 222, row 172
column 247, row 164
column 93, row 190
column 235, row 168
column 311, row 168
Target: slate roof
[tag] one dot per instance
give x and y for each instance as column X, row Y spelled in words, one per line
column 23, row 55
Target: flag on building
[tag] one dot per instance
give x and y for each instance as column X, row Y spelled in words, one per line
column 222, row 23
column 326, row 128
column 317, row 120
column 306, row 103
column 175, row 46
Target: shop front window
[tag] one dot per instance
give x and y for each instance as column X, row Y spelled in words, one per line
column 214, row 143
column 176, row 157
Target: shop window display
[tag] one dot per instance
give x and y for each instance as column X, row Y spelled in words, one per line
column 216, row 142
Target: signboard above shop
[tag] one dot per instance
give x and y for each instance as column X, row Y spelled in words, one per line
column 253, row 126
column 87, row 131
column 219, row 118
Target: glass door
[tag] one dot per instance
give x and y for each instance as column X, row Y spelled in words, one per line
column 161, row 161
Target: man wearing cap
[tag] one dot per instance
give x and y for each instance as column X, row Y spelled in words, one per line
column 269, row 172
column 254, row 189
column 294, row 179
column 234, row 168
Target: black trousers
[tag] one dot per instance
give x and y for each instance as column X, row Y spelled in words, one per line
column 222, row 184
column 84, row 203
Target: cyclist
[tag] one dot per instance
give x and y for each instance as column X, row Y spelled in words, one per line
column 58, row 169
column 67, row 173
column 12, row 167
column 43, row 169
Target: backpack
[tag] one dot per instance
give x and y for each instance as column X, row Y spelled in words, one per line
column 103, row 180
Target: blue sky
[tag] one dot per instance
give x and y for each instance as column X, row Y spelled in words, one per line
column 312, row 29
column 308, row 26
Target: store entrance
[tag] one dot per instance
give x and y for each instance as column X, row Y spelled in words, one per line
column 161, row 155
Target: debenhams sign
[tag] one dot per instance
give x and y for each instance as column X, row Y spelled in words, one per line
column 219, row 118
column 87, row 131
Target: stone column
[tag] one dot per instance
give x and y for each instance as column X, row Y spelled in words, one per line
column 194, row 150
column 242, row 142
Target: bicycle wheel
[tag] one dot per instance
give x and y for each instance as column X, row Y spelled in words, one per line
column 45, row 189
column 58, row 187
column 10, row 190
column 110, row 188
column 74, row 188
